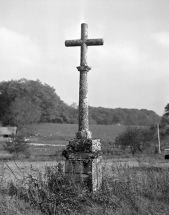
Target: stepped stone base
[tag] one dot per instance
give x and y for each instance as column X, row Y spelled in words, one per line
column 84, row 161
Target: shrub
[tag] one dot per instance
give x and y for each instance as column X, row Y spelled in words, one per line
column 17, row 146
column 136, row 138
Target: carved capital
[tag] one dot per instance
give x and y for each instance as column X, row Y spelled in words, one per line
column 84, row 68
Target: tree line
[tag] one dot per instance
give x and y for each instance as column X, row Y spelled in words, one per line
column 145, row 138
column 27, row 101
column 123, row 116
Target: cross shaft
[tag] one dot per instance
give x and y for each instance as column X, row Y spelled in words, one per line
column 84, row 42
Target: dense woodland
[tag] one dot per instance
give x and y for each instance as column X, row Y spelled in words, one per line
column 26, row 102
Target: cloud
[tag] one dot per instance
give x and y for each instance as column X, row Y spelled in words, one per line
column 162, row 38
column 127, row 52
column 17, row 51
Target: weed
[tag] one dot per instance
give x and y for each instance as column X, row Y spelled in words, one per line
column 126, row 190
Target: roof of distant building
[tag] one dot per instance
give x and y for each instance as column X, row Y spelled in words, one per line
column 8, row 130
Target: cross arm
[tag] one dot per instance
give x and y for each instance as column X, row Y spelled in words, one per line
column 88, row 42
column 94, row 42
column 69, row 43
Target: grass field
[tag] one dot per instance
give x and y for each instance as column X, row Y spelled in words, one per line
column 60, row 134
column 63, row 132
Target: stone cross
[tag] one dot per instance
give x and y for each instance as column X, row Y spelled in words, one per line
column 83, row 154
column 84, row 42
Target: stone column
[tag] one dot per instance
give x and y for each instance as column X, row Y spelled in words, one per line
column 83, row 101
column 83, row 127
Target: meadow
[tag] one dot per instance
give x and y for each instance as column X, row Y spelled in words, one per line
column 60, row 133
column 53, row 138
column 131, row 185
column 56, row 136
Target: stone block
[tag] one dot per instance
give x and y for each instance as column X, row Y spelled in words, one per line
column 81, row 145
column 84, row 161
column 97, row 173
column 96, row 145
column 86, row 170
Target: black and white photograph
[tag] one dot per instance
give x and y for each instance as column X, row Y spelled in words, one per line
column 84, row 107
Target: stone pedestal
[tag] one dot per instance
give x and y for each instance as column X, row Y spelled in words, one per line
column 84, row 161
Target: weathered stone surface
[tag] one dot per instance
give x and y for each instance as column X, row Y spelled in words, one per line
column 2, row 170
column 83, row 102
column 83, row 155
column 84, row 160
column 86, row 170
column 85, row 146
column 83, row 68
column 84, row 134
column 88, row 42
column 96, row 145
column 97, row 173
column 84, row 42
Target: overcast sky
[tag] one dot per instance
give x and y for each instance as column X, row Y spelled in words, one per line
column 129, row 71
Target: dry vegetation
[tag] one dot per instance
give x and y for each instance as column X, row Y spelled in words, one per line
column 133, row 186
column 127, row 190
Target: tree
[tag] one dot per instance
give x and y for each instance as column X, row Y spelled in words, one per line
column 164, row 126
column 40, row 97
column 137, row 138
column 48, row 107
column 166, row 110
column 123, row 116
column 24, row 112
column 74, row 105
column 129, row 138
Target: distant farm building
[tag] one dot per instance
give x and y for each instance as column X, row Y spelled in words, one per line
column 7, row 132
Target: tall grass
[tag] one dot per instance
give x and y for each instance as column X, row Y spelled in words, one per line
column 126, row 190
